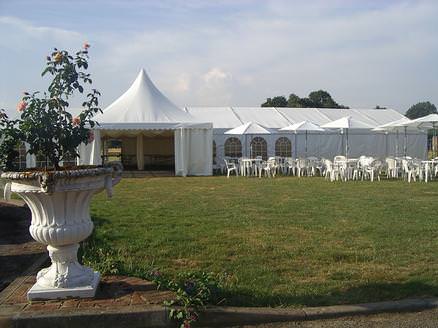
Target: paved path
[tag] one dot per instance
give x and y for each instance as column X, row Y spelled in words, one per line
column 422, row 319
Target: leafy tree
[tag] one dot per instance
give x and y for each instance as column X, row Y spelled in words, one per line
column 322, row 99
column 421, row 109
column 279, row 101
column 318, row 99
column 294, row 101
column 379, row 107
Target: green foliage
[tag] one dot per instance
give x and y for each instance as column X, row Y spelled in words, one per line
column 322, row 99
column 8, row 141
column 101, row 257
column 45, row 124
column 421, row 109
column 316, row 99
column 279, row 101
column 193, row 290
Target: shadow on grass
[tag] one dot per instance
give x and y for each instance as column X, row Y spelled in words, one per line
column 98, row 221
column 373, row 292
column 99, row 254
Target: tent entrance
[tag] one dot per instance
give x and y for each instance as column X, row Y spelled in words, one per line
column 158, row 150
column 147, row 150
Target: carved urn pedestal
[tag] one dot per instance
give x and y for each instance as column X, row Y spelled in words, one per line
column 60, row 206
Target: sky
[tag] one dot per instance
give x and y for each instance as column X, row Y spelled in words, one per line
column 230, row 52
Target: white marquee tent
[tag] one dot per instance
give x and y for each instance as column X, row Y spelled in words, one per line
column 143, row 113
column 324, row 144
column 194, row 135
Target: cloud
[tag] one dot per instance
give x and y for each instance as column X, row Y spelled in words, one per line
column 238, row 53
column 215, row 75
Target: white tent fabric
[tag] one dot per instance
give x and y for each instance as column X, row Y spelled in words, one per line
column 30, row 159
column 305, row 126
column 144, row 107
column 428, row 122
column 248, row 128
column 326, row 143
column 90, row 154
column 347, row 122
column 193, row 148
column 394, row 125
column 267, row 117
column 143, row 103
column 302, row 126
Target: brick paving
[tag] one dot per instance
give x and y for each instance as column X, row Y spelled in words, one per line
column 113, row 292
column 21, row 258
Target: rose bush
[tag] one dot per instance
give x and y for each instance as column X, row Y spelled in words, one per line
column 45, row 124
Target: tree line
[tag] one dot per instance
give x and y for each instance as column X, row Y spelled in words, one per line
column 323, row 99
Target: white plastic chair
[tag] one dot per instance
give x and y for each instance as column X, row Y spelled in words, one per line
column 409, row 171
column 391, row 167
column 269, row 168
column 373, row 169
column 230, row 166
column 301, row 166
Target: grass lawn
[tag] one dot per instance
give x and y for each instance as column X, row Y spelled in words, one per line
column 279, row 242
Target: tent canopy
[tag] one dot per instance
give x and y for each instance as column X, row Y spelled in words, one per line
column 302, row 126
column 143, row 106
column 248, row 128
column 347, row 122
column 278, row 117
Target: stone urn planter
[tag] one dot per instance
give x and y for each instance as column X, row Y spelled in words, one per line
column 60, row 205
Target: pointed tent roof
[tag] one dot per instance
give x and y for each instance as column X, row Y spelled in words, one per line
column 143, row 103
column 302, row 126
column 397, row 125
column 248, row 128
column 429, row 121
column 347, row 122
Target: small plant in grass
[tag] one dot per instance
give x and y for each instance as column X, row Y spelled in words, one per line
column 45, row 125
column 101, row 257
column 193, row 292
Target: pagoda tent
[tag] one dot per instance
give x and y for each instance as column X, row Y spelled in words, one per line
column 151, row 130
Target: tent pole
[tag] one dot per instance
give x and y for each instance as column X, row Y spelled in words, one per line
column 397, row 143
column 433, row 140
column 346, row 144
column 296, row 149
column 306, row 143
column 386, row 144
column 406, row 141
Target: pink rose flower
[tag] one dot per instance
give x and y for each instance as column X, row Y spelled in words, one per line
column 57, row 57
column 86, row 46
column 21, row 106
column 90, row 136
column 76, row 121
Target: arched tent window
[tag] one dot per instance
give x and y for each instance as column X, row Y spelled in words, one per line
column 233, row 147
column 214, row 152
column 283, row 147
column 69, row 160
column 20, row 162
column 259, row 147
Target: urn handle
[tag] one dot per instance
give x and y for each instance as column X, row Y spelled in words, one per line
column 7, row 191
column 114, row 179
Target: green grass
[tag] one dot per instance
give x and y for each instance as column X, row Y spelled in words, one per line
column 279, row 242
